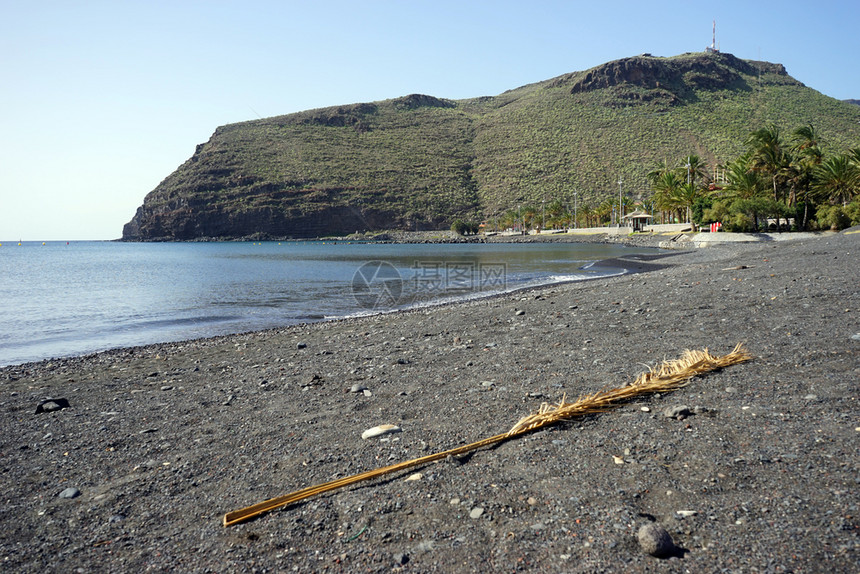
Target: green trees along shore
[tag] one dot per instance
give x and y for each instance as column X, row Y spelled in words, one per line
column 783, row 182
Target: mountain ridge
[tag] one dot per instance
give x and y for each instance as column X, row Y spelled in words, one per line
column 421, row 161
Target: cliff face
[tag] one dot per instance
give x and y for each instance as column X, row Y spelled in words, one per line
column 188, row 222
column 683, row 75
column 673, row 81
column 419, row 162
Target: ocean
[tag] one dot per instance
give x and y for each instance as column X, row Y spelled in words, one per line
column 60, row 299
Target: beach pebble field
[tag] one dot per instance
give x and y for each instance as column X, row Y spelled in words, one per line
column 127, row 460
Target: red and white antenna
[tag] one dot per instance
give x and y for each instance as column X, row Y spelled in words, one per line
column 713, row 46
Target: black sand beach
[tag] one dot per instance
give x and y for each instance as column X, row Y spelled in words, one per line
column 761, row 475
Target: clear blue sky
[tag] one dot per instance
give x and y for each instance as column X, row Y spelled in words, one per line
column 101, row 100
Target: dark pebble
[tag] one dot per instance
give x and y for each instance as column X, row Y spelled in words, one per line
column 52, row 405
column 401, row 558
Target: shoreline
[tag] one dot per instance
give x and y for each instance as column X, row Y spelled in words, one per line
column 666, row 240
column 609, row 264
column 160, row 441
column 635, row 263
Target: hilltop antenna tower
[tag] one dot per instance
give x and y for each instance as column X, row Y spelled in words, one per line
column 713, row 47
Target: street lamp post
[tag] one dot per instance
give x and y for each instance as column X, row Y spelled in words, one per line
column 543, row 214
column 620, row 210
column 575, row 220
column 688, row 166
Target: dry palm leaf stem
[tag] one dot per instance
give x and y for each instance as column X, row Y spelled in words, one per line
column 669, row 376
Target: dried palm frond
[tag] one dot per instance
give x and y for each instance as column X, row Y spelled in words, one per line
column 668, row 376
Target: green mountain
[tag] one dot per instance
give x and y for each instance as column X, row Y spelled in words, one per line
column 419, row 162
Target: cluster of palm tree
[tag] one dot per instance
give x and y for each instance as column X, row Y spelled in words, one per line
column 774, row 179
column 790, row 177
column 676, row 188
column 562, row 215
column 777, row 179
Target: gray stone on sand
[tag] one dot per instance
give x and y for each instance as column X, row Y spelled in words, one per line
column 678, row 411
column 70, row 493
column 52, row 405
column 476, row 512
column 655, row 541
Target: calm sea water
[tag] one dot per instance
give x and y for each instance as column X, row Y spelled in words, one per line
column 59, row 299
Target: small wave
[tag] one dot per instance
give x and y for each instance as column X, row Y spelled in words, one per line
column 309, row 317
column 177, row 322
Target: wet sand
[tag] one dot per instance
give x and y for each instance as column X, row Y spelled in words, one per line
column 762, row 475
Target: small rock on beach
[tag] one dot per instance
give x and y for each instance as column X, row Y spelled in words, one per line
column 52, row 405
column 655, row 541
column 677, row 412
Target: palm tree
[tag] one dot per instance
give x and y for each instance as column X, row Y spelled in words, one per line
column 694, row 168
column 808, row 156
column 585, row 212
column 530, row 215
column 510, row 219
column 742, row 181
column 657, row 171
column 648, row 206
column 666, row 188
column 837, row 179
column 806, row 137
column 685, row 196
column 603, row 212
column 770, row 157
column 557, row 214
column 854, row 156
